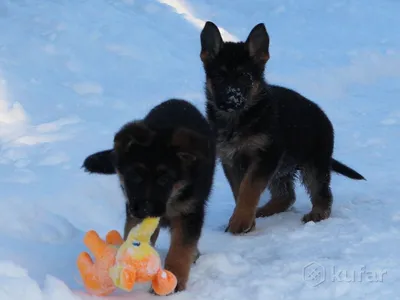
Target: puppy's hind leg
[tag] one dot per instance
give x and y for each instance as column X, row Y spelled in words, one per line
column 282, row 196
column 317, row 179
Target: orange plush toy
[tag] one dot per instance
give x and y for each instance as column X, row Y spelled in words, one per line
column 120, row 264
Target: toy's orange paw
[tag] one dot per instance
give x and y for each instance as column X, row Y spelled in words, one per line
column 164, row 283
column 91, row 280
column 114, row 238
column 84, row 262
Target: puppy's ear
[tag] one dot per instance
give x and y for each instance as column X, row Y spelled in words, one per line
column 100, row 162
column 257, row 43
column 133, row 133
column 191, row 146
column 211, row 42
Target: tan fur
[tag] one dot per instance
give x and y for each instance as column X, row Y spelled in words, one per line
column 228, row 150
column 246, row 145
column 174, row 208
column 180, row 255
column 192, row 146
column 282, row 196
column 243, row 218
column 274, row 206
column 203, row 56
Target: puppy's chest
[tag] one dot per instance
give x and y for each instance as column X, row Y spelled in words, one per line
column 236, row 143
column 181, row 200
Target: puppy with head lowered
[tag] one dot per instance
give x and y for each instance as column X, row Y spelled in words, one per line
column 165, row 164
column 267, row 135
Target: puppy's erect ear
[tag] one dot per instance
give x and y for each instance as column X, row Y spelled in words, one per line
column 100, row 162
column 191, row 146
column 211, row 41
column 257, row 43
column 133, row 133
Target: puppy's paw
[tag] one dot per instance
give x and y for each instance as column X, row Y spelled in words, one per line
column 181, row 270
column 180, row 287
column 317, row 214
column 241, row 222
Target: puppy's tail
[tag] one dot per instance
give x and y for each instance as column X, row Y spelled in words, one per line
column 342, row 169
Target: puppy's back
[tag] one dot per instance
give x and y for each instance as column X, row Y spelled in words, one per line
column 177, row 113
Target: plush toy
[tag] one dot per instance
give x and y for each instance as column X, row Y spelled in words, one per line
column 120, row 264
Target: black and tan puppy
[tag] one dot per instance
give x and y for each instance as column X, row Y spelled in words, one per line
column 165, row 165
column 266, row 134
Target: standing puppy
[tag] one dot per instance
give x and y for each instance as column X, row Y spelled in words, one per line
column 165, row 164
column 266, row 134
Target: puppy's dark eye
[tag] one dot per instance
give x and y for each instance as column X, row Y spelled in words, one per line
column 136, row 243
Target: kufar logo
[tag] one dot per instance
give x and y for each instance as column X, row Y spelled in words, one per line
column 314, row 274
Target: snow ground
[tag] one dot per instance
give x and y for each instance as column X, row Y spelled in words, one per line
column 72, row 72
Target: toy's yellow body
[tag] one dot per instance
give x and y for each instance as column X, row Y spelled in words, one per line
column 135, row 260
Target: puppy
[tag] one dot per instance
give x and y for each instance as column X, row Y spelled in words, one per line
column 165, row 164
column 266, row 134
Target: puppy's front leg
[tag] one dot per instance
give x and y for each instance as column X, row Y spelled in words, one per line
column 252, row 186
column 185, row 234
column 234, row 171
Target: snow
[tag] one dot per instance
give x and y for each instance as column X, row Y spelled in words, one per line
column 72, row 72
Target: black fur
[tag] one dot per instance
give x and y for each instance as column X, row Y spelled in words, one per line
column 342, row 169
column 266, row 134
column 99, row 162
column 165, row 164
